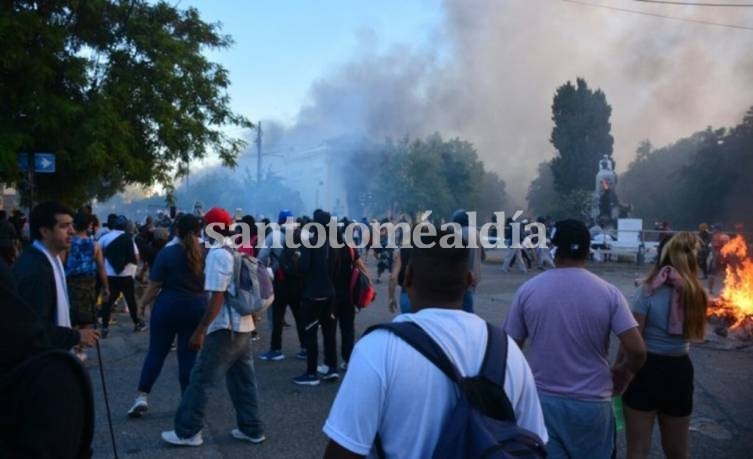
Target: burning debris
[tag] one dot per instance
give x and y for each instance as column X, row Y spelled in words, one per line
column 731, row 314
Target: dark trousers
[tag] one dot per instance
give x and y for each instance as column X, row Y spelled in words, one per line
column 118, row 285
column 315, row 313
column 173, row 314
column 346, row 317
column 48, row 408
column 286, row 294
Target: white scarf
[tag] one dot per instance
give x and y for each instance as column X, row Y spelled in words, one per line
column 63, row 316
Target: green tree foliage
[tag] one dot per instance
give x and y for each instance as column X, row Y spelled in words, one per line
column 119, row 90
column 581, row 135
column 704, row 177
column 542, row 198
column 413, row 175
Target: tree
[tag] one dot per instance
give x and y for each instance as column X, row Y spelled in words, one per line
column 437, row 175
column 581, row 135
column 541, row 197
column 704, row 177
column 119, row 90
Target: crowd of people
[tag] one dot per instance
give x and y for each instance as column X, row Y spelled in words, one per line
column 396, row 400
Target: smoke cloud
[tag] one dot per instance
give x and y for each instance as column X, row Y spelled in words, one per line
column 491, row 70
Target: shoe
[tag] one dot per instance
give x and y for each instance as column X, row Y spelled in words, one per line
column 105, row 332
column 255, row 336
column 236, row 433
column 140, row 326
column 272, row 355
column 331, row 375
column 322, row 369
column 302, row 355
column 306, row 380
column 173, row 438
column 139, row 407
column 81, row 355
column 344, row 366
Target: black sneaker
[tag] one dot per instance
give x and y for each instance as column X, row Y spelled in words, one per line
column 140, row 326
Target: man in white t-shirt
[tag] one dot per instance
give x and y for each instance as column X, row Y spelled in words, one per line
column 224, row 337
column 392, row 391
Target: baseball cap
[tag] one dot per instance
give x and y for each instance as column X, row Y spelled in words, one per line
column 218, row 215
column 572, row 239
column 283, row 216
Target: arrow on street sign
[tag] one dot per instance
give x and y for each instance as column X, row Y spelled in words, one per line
column 44, row 163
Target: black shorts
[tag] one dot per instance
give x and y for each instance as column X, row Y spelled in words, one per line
column 664, row 384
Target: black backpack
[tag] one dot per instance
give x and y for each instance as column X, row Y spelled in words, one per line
column 119, row 252
column 482, row 423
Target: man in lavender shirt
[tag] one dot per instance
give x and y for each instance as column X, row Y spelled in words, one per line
column 567, row 315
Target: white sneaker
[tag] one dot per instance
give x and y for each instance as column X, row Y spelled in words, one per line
column 322, row 369
column 139, row 407
column 236, row 433
column 173, row 438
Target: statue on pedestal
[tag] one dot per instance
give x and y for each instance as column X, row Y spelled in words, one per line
column 606, row 207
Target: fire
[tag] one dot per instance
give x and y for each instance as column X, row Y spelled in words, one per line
column 736, row 300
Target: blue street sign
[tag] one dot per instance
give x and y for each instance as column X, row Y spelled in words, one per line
column 44, row 163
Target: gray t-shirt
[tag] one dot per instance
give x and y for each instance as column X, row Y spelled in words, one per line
column 656, row 309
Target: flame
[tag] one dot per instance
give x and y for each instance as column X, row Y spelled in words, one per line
column 736, row 299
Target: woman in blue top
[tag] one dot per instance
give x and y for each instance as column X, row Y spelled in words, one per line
column 84, row 264
column 670, row 308
column 176, row 279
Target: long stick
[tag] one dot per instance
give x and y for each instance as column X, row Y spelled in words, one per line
column 107, row 402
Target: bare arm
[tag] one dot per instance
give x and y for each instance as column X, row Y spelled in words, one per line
column 631, row 357
column 335, row 451
column 213, row 309
column 101, row 272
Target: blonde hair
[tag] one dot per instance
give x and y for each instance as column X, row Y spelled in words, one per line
column 680, row 253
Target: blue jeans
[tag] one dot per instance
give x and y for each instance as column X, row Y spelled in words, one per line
column 221, row 355
column 578, row 429
column 468, row 301
column 173, row 314
column 405, row 306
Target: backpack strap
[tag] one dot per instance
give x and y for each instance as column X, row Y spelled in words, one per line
column 419, row 340
column 496, row 352
column 494, row 369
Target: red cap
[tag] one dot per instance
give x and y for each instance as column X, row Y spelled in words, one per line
column 218, row 215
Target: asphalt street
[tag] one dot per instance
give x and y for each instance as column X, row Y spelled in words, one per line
column 721, row 426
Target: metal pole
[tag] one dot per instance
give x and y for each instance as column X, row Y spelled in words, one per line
column 258, row 152
column 107, row 401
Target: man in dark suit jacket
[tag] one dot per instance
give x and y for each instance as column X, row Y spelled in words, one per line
column 51, row 226
column 33, row 375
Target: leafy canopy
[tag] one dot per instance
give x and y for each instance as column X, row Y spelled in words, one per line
column 119, row 90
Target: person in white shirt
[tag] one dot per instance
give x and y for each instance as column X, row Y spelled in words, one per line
column 392, row 391
column 122, row 280
column 224, row 337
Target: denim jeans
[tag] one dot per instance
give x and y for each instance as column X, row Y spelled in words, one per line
column 405, row 306
column 173, row 314
column 578, row 429
column 468, row 300
column 226, row 355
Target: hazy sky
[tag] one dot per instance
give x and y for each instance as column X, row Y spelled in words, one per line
column 484, row 70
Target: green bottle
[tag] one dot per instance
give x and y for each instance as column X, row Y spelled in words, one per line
column 619, row 416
